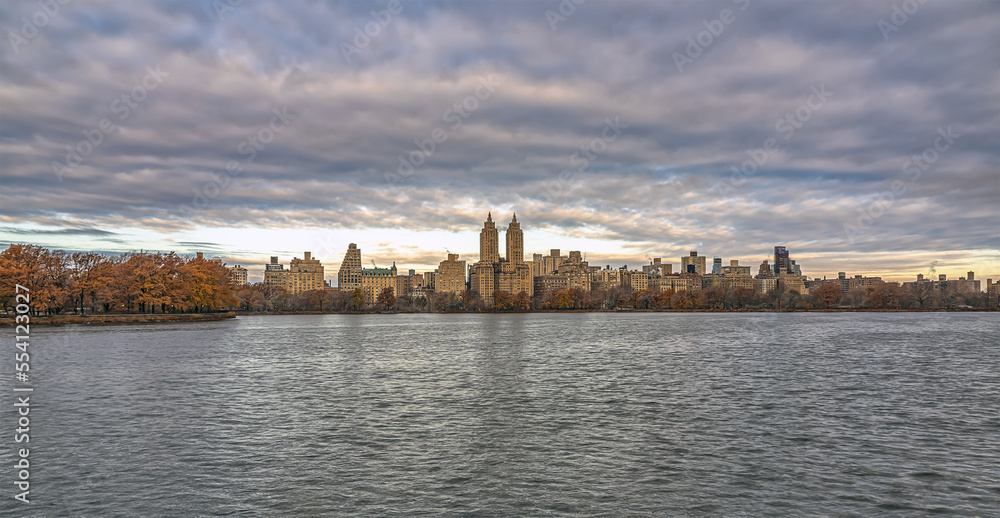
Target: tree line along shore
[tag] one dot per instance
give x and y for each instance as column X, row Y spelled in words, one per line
column 88, row 284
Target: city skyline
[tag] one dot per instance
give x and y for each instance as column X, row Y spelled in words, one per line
column 492, row 245
column 862, row 138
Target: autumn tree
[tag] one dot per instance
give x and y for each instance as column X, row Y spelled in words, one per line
column 561, row 300
column 683, row 300
column 827, row 294
column 503, row 300
column 386, row 298
column 250, row 297
column 924, row 294
column 888, row 295
column 85, row 271
column 522, row 301
column 45, row 273
column 713, row 297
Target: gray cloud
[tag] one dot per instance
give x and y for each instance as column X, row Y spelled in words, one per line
column 653, row 186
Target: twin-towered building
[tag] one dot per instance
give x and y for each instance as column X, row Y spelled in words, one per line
column 494, row 273
column 545, row 274
column 554, row 272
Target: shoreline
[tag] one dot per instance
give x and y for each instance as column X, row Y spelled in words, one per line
column 116, row 319
column 831, row 310
column 121, row 318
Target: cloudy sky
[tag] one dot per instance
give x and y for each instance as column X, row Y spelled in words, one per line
column 862, row 135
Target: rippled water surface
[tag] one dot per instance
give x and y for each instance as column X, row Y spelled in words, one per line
column 530, row 415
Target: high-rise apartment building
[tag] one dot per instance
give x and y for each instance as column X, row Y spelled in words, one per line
column 489, row 242
column 375, row 280
column 450, row 276
column 717, row 265
column 515, row 242
column 304, row 274
column 409, row 284
column 656, row 268
column 576, row 270
column 782, row 263
column 274, row 274
column 766, row 281
column 693, row 263
column 734, row 268
column 491, row 273
column 511, row 273
column 238, row 274
column 349, row 276
column 481, row 276
column 536, row 265
column 430, row 280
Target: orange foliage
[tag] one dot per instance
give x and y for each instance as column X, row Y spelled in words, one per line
column 142, row 282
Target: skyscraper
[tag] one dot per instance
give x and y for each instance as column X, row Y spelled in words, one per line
column 349, row 276
column 481, row 278
column 304, row 274
column 693, row 260
column 716, row 265
column 782, row 264
column 275, row 274
column 491, row 273
column 515, row 242
column 450, row 276
column 489, row 242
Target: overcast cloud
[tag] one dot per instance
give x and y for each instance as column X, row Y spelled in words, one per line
column 511, row 93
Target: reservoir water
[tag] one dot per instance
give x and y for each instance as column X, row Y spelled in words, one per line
column 632, row 414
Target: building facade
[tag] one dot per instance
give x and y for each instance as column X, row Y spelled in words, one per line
column 782, row 263
column 375, row 280
column 493, row 273
column 304, row 274
column 693, row 263
column 274, row 274
column 349, row 276
column 238, row 274
column 450, row 276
